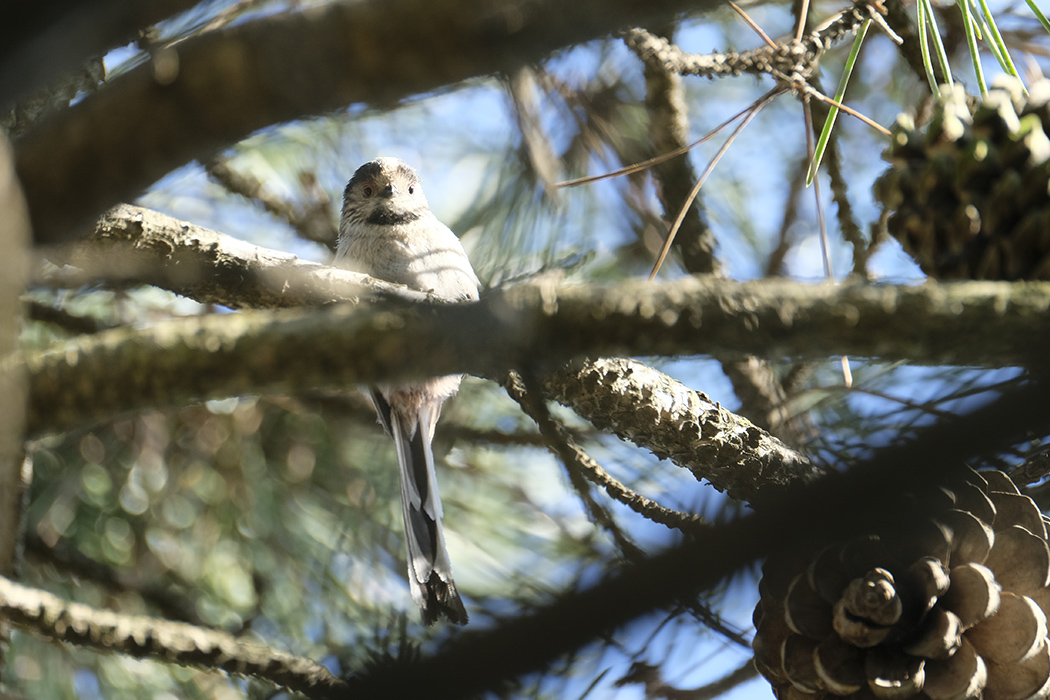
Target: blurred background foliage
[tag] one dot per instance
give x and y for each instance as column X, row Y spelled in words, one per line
column 280, row 517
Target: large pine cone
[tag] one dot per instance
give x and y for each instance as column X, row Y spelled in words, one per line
column 953, row 610
column 969, row 196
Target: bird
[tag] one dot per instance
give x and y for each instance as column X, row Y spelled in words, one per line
column 387, row 231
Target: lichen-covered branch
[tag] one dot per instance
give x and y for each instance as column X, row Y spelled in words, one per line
column 979, row 323
column 147, row 637
column 795, row 60
column 652, row 410
column 537, row 325
column 135, row 244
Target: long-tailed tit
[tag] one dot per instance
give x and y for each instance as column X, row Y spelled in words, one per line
column 388, row 231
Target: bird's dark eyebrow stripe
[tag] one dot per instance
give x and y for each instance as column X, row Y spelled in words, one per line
column 365, row 172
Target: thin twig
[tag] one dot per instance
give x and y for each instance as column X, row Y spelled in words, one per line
column 877, row 11
column 852, row 112
column 753, row 111
column 649, row 676
column 576, row 460
column 789, row 215
column 643, row 165
column 754, row 26
column 803, row 15
column 533, row 405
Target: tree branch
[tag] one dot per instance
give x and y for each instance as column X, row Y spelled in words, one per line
column 648, row 676
column 229, row 83
column 979, row 323
column 136, row 245
column 542, row 327
column 795, row 59
column 60, row 318
column 535, row 325
column 654, row 411
column 147, row 637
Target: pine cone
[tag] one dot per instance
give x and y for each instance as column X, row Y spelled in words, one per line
column 969, row 195
column 954, row 610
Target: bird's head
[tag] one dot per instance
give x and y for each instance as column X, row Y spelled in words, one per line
column 385, row 191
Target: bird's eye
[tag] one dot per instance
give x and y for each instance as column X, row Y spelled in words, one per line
column 411, row 189
column 367, row 190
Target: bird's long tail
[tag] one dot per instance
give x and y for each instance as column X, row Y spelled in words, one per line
column 429, row 570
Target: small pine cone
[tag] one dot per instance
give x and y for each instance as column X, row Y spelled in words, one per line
column 953, row 610
column 969, row 195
